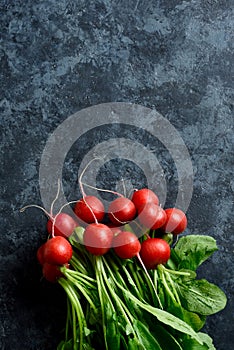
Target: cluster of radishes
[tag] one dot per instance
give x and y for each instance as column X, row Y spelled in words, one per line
column 100, row 236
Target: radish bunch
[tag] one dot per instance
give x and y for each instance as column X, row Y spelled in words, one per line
column 115, row 302
column 142, row 211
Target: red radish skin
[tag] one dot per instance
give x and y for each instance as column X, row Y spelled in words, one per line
column 152, row 216
column 144, row 196
column 57, row 251
column 154, row 251
column 98, row 238
column 64, row 225
column 40, row 254
column 89, row 208
column 121, row 210
column 52, row 272
column 176, row 221
column 126, row 245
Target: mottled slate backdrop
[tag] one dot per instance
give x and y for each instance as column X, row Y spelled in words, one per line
column 58, row 57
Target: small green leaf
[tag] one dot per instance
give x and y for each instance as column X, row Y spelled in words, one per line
column 207, row 340
column 128, row 329
column 87, row 331
column 191, row 344
column 201, row 297
column 192, row 251
column 146, row 339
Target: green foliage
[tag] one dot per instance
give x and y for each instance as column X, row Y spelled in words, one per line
column 114, row 305
column 192, row 250
column 201, row 296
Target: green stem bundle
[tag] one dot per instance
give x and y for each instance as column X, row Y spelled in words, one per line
column 113, row 304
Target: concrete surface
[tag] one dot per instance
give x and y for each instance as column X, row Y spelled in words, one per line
column 58, row 57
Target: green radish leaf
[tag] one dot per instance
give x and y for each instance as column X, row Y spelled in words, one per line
column 146, row 340
column 207, row 340
column 193, row 319
column 165, row 339
column 192, row 251
column 174, row 322
column 201, row 297
column 87, row 331
column 111, row 328
column 191, row 344
column 166, row 318
column 128, row 329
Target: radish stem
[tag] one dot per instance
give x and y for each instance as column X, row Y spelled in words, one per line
column 102, row 189
column 56, row 197
column 174, row 272
column 36, row 206
column 82, row 174
column 150, row 280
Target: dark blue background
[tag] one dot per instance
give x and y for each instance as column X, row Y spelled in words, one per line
column 58, row 57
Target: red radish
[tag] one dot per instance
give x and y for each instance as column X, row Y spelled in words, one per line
column 121, row 210
column 97, row 238
column 154, row 251
column 176, row 221
column 126, row 245
column 152, row 216
column 90, row 209
column 144, row 196
column 64, row 225
column 52, row 272
column 40, row 254
column 57, row 251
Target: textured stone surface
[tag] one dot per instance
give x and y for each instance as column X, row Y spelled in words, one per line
column 58, row 57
